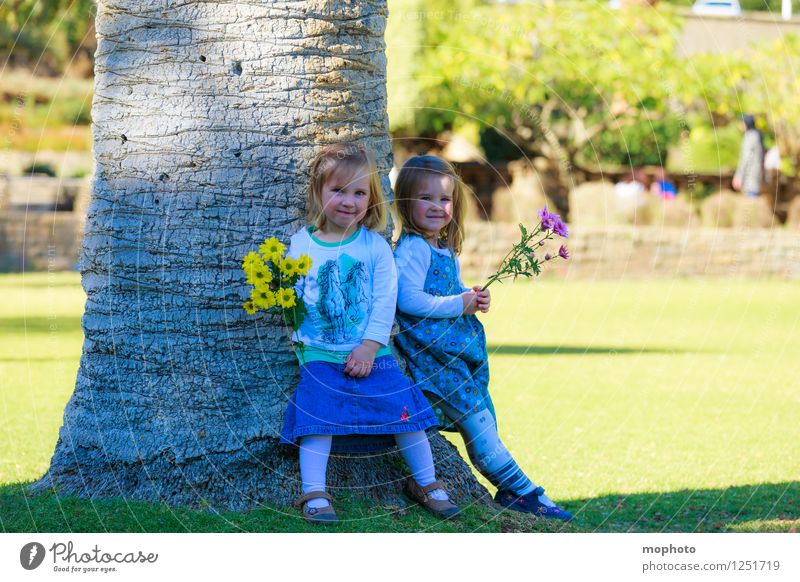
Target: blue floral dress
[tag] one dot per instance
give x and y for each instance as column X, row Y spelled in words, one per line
column 446, row 357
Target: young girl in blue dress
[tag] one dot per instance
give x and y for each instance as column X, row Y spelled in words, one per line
column 350, row 384
column 440, row 337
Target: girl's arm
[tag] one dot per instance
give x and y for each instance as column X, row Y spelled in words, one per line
column 360, row 360
column 413, row 258
column 384, row 293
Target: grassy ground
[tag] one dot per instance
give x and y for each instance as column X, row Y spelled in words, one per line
column 641, row 406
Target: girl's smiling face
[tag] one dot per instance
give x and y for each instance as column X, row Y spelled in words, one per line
column 432, row 208
column 345, row 200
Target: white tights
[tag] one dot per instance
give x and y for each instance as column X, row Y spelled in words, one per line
column 315, row 450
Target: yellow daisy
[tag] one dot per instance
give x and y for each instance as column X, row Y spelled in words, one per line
column 272, row 249
column 259, row 275
column 303, row 265
column 263, row 298
column 251, row 259
column 286, row 298
column 288, row 267
column 250, row 307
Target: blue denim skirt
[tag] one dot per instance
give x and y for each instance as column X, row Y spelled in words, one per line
column 327, row 401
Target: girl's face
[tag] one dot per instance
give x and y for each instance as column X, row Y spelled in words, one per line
column 432, row 208
column 345, row 201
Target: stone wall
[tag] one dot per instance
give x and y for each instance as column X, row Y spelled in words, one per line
column 42, row 193
column 614, row 252
column 51, row 240
column 39, row 241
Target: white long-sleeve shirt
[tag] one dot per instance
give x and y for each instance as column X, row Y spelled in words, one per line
column 413, row 259
column 350, row 292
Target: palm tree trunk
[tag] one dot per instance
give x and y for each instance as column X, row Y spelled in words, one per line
column 206, row 116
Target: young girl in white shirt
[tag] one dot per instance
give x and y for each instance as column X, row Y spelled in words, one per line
column 350, row 384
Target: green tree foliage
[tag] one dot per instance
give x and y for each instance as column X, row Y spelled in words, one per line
column 770, row 92
column 404, row 46
column 642, row 143
column 555, row 77
column 415, row 29
column 762, row 82
column 583, row 85
column 46, row 34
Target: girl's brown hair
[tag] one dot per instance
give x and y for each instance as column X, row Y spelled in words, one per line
column 348, row 161
column 407, row 186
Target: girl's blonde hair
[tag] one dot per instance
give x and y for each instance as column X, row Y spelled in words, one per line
column 407, row 186
column 349, row 161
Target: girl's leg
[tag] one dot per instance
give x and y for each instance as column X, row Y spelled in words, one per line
column 488, row 453
column 416, row 450
column 314, row 452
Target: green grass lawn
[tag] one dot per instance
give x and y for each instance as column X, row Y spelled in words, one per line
column 641, row 406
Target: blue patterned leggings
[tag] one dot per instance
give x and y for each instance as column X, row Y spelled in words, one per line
column 487, row 452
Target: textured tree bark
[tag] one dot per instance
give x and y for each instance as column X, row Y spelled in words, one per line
column 206, row 115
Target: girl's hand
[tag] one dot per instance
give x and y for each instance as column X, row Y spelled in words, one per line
column 484, row 298
column 470, row 299
column 358, row 363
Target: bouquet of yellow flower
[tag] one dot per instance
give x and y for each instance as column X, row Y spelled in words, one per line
column 273, row 277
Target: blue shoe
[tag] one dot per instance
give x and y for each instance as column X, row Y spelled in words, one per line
column 530, row 504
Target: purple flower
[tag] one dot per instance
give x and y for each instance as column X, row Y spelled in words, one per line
column 546, row 218
column 548, row 256
column 563, row 252
column 559, row 227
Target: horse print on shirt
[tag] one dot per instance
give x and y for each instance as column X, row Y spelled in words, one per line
column 342, row 300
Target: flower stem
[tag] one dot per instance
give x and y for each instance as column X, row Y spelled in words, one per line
column 513, row 253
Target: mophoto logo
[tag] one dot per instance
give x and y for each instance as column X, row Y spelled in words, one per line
column 31, row 555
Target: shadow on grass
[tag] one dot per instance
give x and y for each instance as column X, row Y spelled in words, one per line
column 25, row 359
column 576, row 350
column 61, row 323
column 40, row 280
column 755, row 508
column 747, row 508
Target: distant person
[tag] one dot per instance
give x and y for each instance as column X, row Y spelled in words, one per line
column 772, row 164
column 750, row 171
column 662, row 186
column 630, row 189
column 630, row 186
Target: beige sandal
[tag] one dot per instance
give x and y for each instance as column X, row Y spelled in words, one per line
column 444, row 509
column 317, row 515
